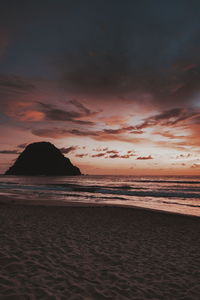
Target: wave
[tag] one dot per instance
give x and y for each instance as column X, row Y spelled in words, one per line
column 128, row 190
column 183, row 204
column 107, row 190
column 163, row 194
column 167, row 181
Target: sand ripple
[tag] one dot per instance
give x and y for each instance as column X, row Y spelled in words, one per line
column 97, row 253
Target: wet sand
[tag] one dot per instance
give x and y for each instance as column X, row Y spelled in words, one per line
column 97, row 253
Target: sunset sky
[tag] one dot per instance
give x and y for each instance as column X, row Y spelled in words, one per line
column 115, row 84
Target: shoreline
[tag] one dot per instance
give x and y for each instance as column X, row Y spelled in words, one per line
column 5, row 200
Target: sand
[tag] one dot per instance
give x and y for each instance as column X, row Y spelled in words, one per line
column 97, row 253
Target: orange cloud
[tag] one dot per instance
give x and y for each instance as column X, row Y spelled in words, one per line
column 24, row 111
column 114, row 120
column 31, row 115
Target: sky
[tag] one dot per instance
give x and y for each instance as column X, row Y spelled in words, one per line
column 114, row 84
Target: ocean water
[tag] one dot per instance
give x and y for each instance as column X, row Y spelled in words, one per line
column 180, row 194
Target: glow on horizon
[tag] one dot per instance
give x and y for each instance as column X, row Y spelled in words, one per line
column 162, row 141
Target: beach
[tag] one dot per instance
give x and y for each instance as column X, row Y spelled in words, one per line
column 72, row 252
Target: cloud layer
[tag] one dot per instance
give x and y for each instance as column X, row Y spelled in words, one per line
column 114, row 75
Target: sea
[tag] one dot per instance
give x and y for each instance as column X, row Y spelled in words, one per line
column 177, row 194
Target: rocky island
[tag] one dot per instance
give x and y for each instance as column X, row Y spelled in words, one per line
column 42, row 158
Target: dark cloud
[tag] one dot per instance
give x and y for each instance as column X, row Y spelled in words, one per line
column 86, row 111
column 182, row 156
column 81, row 155
column 15, row 84
column 54, row 133
column 172, row 117
column 103, row 74
column 56, row 114
column 61, row 132
column 82, row 122
column 99, row 135
column 9, row 152
column 98, row 155
column 120, row 156
column 114, row 156
column 22, row 146
column 68, row 149
column 147, row 49
column 114, row 131
column 122, row 130
column 53, row 113
column 113, row 48
column 83, row 132
column 131, row 152
column 111, row 151
column 145, row 157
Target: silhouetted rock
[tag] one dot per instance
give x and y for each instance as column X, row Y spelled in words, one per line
column 42, row 159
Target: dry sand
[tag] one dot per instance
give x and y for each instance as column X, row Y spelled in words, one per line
column 97, row 253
